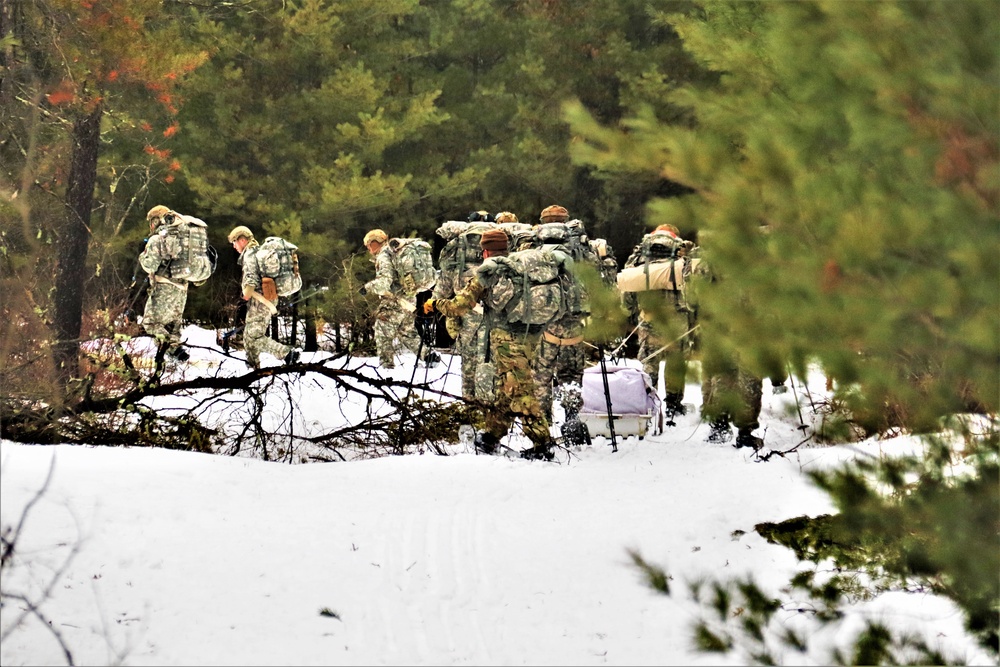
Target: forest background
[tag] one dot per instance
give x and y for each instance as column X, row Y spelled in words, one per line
column 837, row 163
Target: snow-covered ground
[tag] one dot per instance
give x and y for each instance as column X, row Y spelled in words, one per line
column 159, row 557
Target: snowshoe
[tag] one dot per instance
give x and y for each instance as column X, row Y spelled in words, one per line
column 486, row 443
column 747, row 439
column 720, row 431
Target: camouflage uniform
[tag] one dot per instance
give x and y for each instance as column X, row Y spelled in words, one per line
column 512, row 354
column 562, row 354
column 730, row 393
column 164, row 312
column 394, row 316
column 467, row 330
column 658, row 341
column 255, row 338
column 560, row 359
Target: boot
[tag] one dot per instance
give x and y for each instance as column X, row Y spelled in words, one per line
column 179, row 353
column 432, row 359
column 293, row 356
column 744, row 438
column 486, row 442
column 539, row 453
column 673, row 405
column 720, row 431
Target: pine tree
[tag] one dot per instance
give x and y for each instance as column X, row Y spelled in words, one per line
column 844, row 171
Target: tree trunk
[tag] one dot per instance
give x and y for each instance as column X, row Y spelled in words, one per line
column 73, row 240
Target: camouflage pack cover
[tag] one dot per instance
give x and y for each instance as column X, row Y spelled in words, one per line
column 186, row 245
column 414, row 263
column 279, row 260
column 530, row 287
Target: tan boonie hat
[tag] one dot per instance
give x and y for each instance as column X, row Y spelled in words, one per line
column 494, row 240
column 554, row 213
column 505, row 216
column 376, row 235
column 240, row 232
column 157, row 212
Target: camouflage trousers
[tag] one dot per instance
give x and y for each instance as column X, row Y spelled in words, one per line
column 515, row 388
column 164, row 313
column 557, row 364
column 470, row 345
column 674, row 358
column 255, row 338
column 394, row 330
column 731, row 394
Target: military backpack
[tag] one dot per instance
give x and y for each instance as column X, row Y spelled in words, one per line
column 414, row 264
column 531, row 288
column 279, row 260
column 190, row 257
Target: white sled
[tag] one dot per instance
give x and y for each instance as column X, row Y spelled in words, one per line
column 634, row 403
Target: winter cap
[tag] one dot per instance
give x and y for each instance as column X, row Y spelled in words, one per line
column 157, row 212
column 376, row 235
column 494, row 240
column 505, row 216
column 554, row 213
column 240, row 232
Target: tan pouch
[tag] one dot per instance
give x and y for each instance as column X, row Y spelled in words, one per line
column 269, row 289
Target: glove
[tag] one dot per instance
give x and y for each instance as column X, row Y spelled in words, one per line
column 363, row 290
column 428, row 306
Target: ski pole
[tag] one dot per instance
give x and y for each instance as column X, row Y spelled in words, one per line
column 607, row 399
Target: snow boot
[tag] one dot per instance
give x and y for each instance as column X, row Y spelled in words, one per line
column 538, row 453
column 486, row 442
column 673, row 405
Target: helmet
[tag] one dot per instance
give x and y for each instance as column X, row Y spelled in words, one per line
column 240, row 232
column 376, row 235
column 480, row 216
column 157, row 212
column 554, row 213
column 505, row 216
column 669, row 228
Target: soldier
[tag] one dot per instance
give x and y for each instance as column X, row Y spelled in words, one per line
column 664, row 245
column 259, row 309
column 396, row 311
column 562, row 355
column 459, row 259
column 511, row 349
column 163, row 316
column 730, row 393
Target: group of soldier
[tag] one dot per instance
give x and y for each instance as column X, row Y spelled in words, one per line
column 513, row 367
column 167, row 295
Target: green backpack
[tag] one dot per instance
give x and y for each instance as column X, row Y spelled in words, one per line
column 531, row 288
column 462, row 254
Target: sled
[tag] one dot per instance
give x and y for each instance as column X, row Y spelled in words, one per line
column 634, row 403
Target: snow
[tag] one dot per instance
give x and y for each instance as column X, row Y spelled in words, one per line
column 163, row 557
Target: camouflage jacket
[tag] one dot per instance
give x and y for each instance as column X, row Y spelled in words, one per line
column 386, row 281
column 251, row 271
column 155, row 260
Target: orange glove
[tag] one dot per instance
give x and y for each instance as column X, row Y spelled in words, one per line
column 428, row 306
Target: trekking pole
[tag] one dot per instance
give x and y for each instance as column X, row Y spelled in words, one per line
column 802, row 423
column 607, row 399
